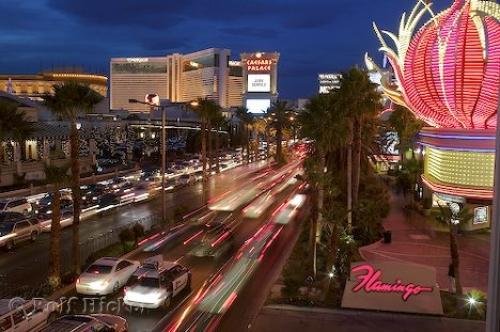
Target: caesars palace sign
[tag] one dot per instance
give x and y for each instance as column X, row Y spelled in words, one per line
column 259, row 64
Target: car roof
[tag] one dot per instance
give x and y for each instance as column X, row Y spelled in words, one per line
column 110, row 261
column 70, row 323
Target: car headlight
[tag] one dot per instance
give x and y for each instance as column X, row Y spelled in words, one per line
column 99, row 284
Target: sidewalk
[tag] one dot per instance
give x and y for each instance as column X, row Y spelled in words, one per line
column 289, row 318
column 414, row 241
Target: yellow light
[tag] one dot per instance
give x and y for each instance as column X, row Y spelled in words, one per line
column 462, row 168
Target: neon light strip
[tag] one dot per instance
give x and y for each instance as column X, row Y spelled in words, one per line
column 465, row 137
column 465, row 149
column 469, row 193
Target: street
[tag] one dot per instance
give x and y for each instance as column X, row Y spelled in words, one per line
column 26, row 266
column 177, row 249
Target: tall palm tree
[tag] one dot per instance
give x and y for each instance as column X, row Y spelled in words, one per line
column 324, row 123
column 261, row 127
column 453, row 215
column 205, row 108
column 71, row 99
column 58, row 177
column 219, row 122
column 359, row 97
column 13, row 125
column 280, row 115
column 246, row 119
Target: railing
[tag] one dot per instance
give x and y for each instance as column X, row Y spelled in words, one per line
column 100, row 241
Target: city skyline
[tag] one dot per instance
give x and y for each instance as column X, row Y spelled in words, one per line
column 312, row 37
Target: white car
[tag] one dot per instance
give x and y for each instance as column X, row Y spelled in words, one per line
column 26, row 315
column 105, row 276
column 20, row 205
column 82, row 323
column 154, row 289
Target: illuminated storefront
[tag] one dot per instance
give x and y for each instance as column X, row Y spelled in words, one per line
column 447, row 75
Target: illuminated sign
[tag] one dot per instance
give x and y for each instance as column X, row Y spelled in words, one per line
column 259, row 64
column 259, row 83
column 258, row 105
column 370, row 281
column 234, row 63
column 393, row 286
column 480, row 215
column 328, row 82
column 137, row 60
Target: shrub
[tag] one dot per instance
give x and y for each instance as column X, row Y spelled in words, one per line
column 138, row 230
column 127, row 235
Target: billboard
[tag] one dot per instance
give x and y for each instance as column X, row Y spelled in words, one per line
column 258, row 105
column 259, row 83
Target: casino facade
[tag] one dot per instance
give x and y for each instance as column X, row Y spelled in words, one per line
column 447, row 74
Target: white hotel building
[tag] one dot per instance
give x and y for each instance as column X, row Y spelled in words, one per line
column 178, row 77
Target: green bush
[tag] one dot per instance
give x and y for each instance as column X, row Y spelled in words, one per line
column 127, row 235
column 138, row 230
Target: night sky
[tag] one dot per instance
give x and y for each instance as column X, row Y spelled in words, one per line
column 312, row 35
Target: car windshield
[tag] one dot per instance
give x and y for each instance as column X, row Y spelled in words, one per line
column 99, row 269
column 6, row 227
column 149, row 282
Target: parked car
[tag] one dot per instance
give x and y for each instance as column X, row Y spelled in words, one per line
column 156, row 288
column 186, row 179
column 105, row 276
column 45, row 212
column 14, row 232
column 88, row 323
column 26, row 315
column 20, row 205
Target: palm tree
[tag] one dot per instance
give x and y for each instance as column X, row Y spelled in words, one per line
column 12, row 125
column 261, row 126
column 407, row 127
column 219, row 121
column 246, row 120
column 453, row 215
column 71, row 99
column 280, row 115
column 322, row 122
column 205, row 109
column 359, row 98
column 58, row 177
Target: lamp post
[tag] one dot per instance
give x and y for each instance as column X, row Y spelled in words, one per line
column 153, row 101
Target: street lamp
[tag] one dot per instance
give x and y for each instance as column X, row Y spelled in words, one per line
column 153, row 101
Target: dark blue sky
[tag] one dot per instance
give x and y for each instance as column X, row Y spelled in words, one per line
column 312, row 35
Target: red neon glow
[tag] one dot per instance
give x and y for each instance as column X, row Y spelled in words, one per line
column 449, row 75
column 465, row 192
column 370, row 282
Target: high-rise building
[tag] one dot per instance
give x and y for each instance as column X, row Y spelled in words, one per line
column 178, row 77
column 133, row 78
column 260, row 80
column 328, row 82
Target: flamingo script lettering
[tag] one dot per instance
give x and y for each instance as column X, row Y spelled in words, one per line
column 369, row 281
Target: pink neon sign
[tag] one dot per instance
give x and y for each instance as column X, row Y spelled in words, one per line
column 370, row 282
